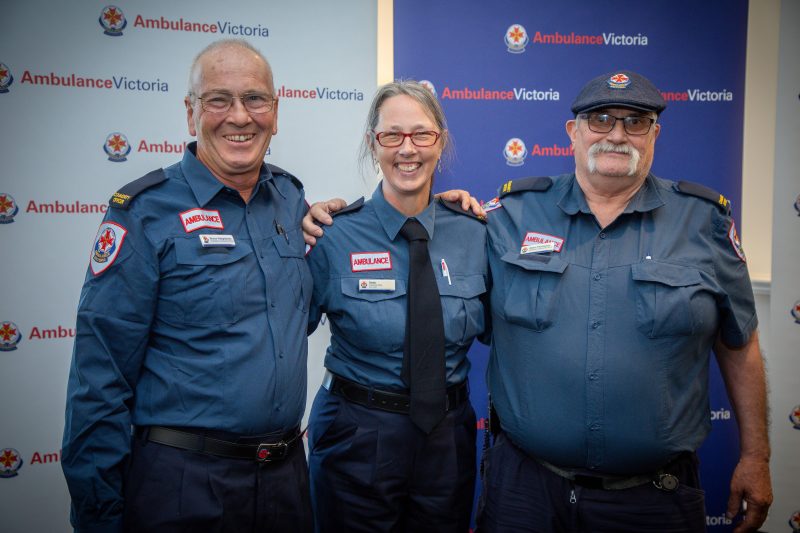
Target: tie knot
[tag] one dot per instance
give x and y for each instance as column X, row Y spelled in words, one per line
column 412, row 230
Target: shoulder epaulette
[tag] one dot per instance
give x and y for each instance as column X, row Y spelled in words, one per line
column 456, row 208
column 525, row 184
column 122, row 198
column 278, row 170
column 701, row 191
column 352, row 208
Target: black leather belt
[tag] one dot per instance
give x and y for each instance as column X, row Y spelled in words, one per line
column 662, row 479
column 394, row 402
column 265, row 452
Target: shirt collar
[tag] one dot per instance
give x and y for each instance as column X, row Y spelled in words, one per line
column 646, row 198
column 203, row 183
column 392, row 220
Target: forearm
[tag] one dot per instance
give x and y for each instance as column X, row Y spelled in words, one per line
column 745, row 380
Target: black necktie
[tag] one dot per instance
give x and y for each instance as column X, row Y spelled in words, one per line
column 423, row 349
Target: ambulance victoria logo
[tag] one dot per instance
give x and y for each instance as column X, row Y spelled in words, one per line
column 112, row 20
column 106, row 246
column 6, row 79
column 618, row 81
column 516, row 39
column 9, row 336
column 796, row 312
column 117, row 147
column 428, row 85
column 8, row 209
column 10, row 462
column 515, row 152
column 794, row 417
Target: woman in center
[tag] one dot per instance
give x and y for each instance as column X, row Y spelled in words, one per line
column 402, row 279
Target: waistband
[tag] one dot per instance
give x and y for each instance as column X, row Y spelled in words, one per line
column 664, row 478
column 199, row 441
column 393, row 402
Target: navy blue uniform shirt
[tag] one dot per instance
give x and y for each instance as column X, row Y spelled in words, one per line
column 364, row 249
column 600, row 346
column 193, row 313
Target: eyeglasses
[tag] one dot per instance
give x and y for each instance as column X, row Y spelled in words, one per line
column 222, row 102
column 393, row 139
column 604, row 123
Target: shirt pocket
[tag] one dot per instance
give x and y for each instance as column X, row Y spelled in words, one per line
column 462, row 308
column 664, row 295
column 207, row 284
column 532, row 291
column 373, row 320
column 294, row 275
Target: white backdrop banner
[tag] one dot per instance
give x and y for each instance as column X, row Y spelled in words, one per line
column 91, row 97
column 783, row 358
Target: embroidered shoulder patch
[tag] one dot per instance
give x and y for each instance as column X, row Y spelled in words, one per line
column 106, row 247
column 736, row 243
column 492, row 204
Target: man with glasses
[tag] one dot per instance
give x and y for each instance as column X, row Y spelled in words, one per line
column 610, row 286
column 191, row 330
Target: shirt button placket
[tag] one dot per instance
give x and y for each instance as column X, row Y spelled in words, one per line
column 598, row 292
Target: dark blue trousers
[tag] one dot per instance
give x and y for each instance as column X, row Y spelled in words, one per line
column 171, row 490
column 520, row 495
column 375, row 471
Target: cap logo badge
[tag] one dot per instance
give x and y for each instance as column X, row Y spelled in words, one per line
column 618, row 81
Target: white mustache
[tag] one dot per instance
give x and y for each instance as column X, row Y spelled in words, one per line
column 604, row 147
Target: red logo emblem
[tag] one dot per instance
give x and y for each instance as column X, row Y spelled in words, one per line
column 10, row 462
column 619, row 81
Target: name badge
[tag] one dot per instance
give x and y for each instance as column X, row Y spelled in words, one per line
column 214, row 240
column 533, row 238
column 537, row 248
column 361, row 261
column 376, row 285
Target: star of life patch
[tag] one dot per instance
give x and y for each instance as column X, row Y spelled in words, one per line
column 195, row 219
column 492, row 204
column 736, row 243
column 533, row 238
column 106, row 247
column 361, row 261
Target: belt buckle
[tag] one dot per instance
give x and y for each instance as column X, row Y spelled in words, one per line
column 267, row 453
column 666, row 482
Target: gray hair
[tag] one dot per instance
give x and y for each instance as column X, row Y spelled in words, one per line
column 194, row 70
column 425, row 98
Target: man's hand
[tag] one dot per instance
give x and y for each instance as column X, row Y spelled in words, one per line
column 319, row 213
column 467, row 202
column 750, row 484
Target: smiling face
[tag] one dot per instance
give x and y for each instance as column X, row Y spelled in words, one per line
column 615, row 154
column 407, row 169
column 231, row 144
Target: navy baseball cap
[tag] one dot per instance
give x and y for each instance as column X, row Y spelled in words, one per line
column 619, row 89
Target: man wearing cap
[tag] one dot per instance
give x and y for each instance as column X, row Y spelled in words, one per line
column 610, row 287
